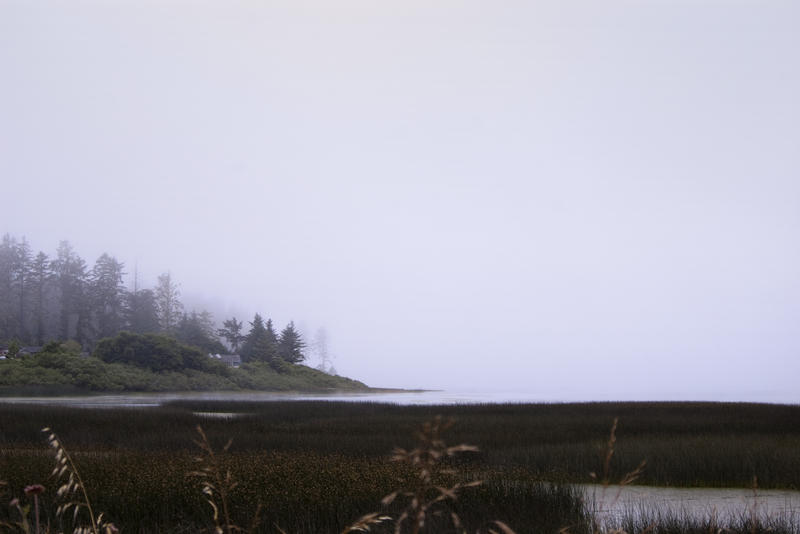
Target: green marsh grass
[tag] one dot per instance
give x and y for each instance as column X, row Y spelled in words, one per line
column 316, row 467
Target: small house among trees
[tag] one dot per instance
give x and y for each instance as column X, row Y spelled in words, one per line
column 231, row 360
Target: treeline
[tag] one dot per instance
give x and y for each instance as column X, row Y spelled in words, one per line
column 45, row 298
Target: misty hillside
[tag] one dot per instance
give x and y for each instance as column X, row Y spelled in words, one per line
column 64, row 324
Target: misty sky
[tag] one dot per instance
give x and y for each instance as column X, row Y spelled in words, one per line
column 588, row 199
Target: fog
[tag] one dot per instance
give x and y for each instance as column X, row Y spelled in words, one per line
column 583, row 199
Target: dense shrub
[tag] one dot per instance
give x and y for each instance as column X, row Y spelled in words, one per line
column 155, row 352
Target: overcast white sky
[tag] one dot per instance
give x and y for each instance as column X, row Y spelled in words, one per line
column 587, row 199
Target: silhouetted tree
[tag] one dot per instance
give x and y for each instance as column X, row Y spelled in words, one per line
column 291, row 345
column 231, row 332
column 107, row 294
column 141, row 312
column 197, row 330
column 8, row 316
column 21, row 273
column 168, row 304
column 257, row 345
column 69, row 271
column 40, row 278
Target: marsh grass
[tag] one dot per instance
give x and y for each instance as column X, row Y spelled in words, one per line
column 685, row 444
column 316, row 466
column 652, row 518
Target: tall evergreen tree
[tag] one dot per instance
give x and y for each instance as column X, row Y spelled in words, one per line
column 71, row 278
column 141, row 312
column 197, row 329
column 8, row 316
column 168, row 304
column 272, row 337
column 41, row 276
column 291, row 345
column 21, row 276
column 231, row 332
column 107, row 293
column 258, row 346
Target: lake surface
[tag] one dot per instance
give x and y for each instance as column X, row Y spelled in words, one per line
column 612, row 503
column 408, row 398
column 404, row 398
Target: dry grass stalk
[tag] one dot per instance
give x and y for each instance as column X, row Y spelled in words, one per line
column 73, row 489
column 366, row 522
column 426, row 498
column 216, row 484
column 627, row 479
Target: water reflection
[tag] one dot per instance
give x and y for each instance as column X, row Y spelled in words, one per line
column 408, row 398
column 613, row 503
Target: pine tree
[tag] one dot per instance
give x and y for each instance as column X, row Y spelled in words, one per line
column 291, row 345
column 231, row 332
column 107, row 294
column 41, row 275
column 21, row 275
column 168, row 304
column 258, row 346
column 141, row 312
column 8, row 314
column 71, row 279
column 197, row 330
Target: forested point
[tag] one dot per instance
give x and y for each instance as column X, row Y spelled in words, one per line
column 59, row 307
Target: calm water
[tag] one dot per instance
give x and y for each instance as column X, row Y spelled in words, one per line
column 404, row 398
column 613, row 503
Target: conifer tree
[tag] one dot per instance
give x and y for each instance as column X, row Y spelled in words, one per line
column 168, row 304
column 41, row 276
column 258, row 346
column 107, row 293
column 71, row 279
column 22, row 265
column 231, row 332
column 291, row 345
column 141, row 312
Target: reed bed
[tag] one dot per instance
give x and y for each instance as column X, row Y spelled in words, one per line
column 685, row 444
column 315, row 467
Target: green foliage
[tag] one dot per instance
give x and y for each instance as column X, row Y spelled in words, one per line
column 13, row 348
column 151, row 351
column 107, row 294
column 260, row 343
column 134, row 362
column 64, row 298
column 232, row 333
column 291, row 345
column 168, row 304
column 141, row 312
column 197, row 330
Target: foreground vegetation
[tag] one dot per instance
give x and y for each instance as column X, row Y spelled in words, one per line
column 316, row 467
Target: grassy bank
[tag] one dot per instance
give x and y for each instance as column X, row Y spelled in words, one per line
column 316, row 466
column 153, row 363
column 73, row 374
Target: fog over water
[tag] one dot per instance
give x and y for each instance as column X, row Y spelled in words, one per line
column 568, row 199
